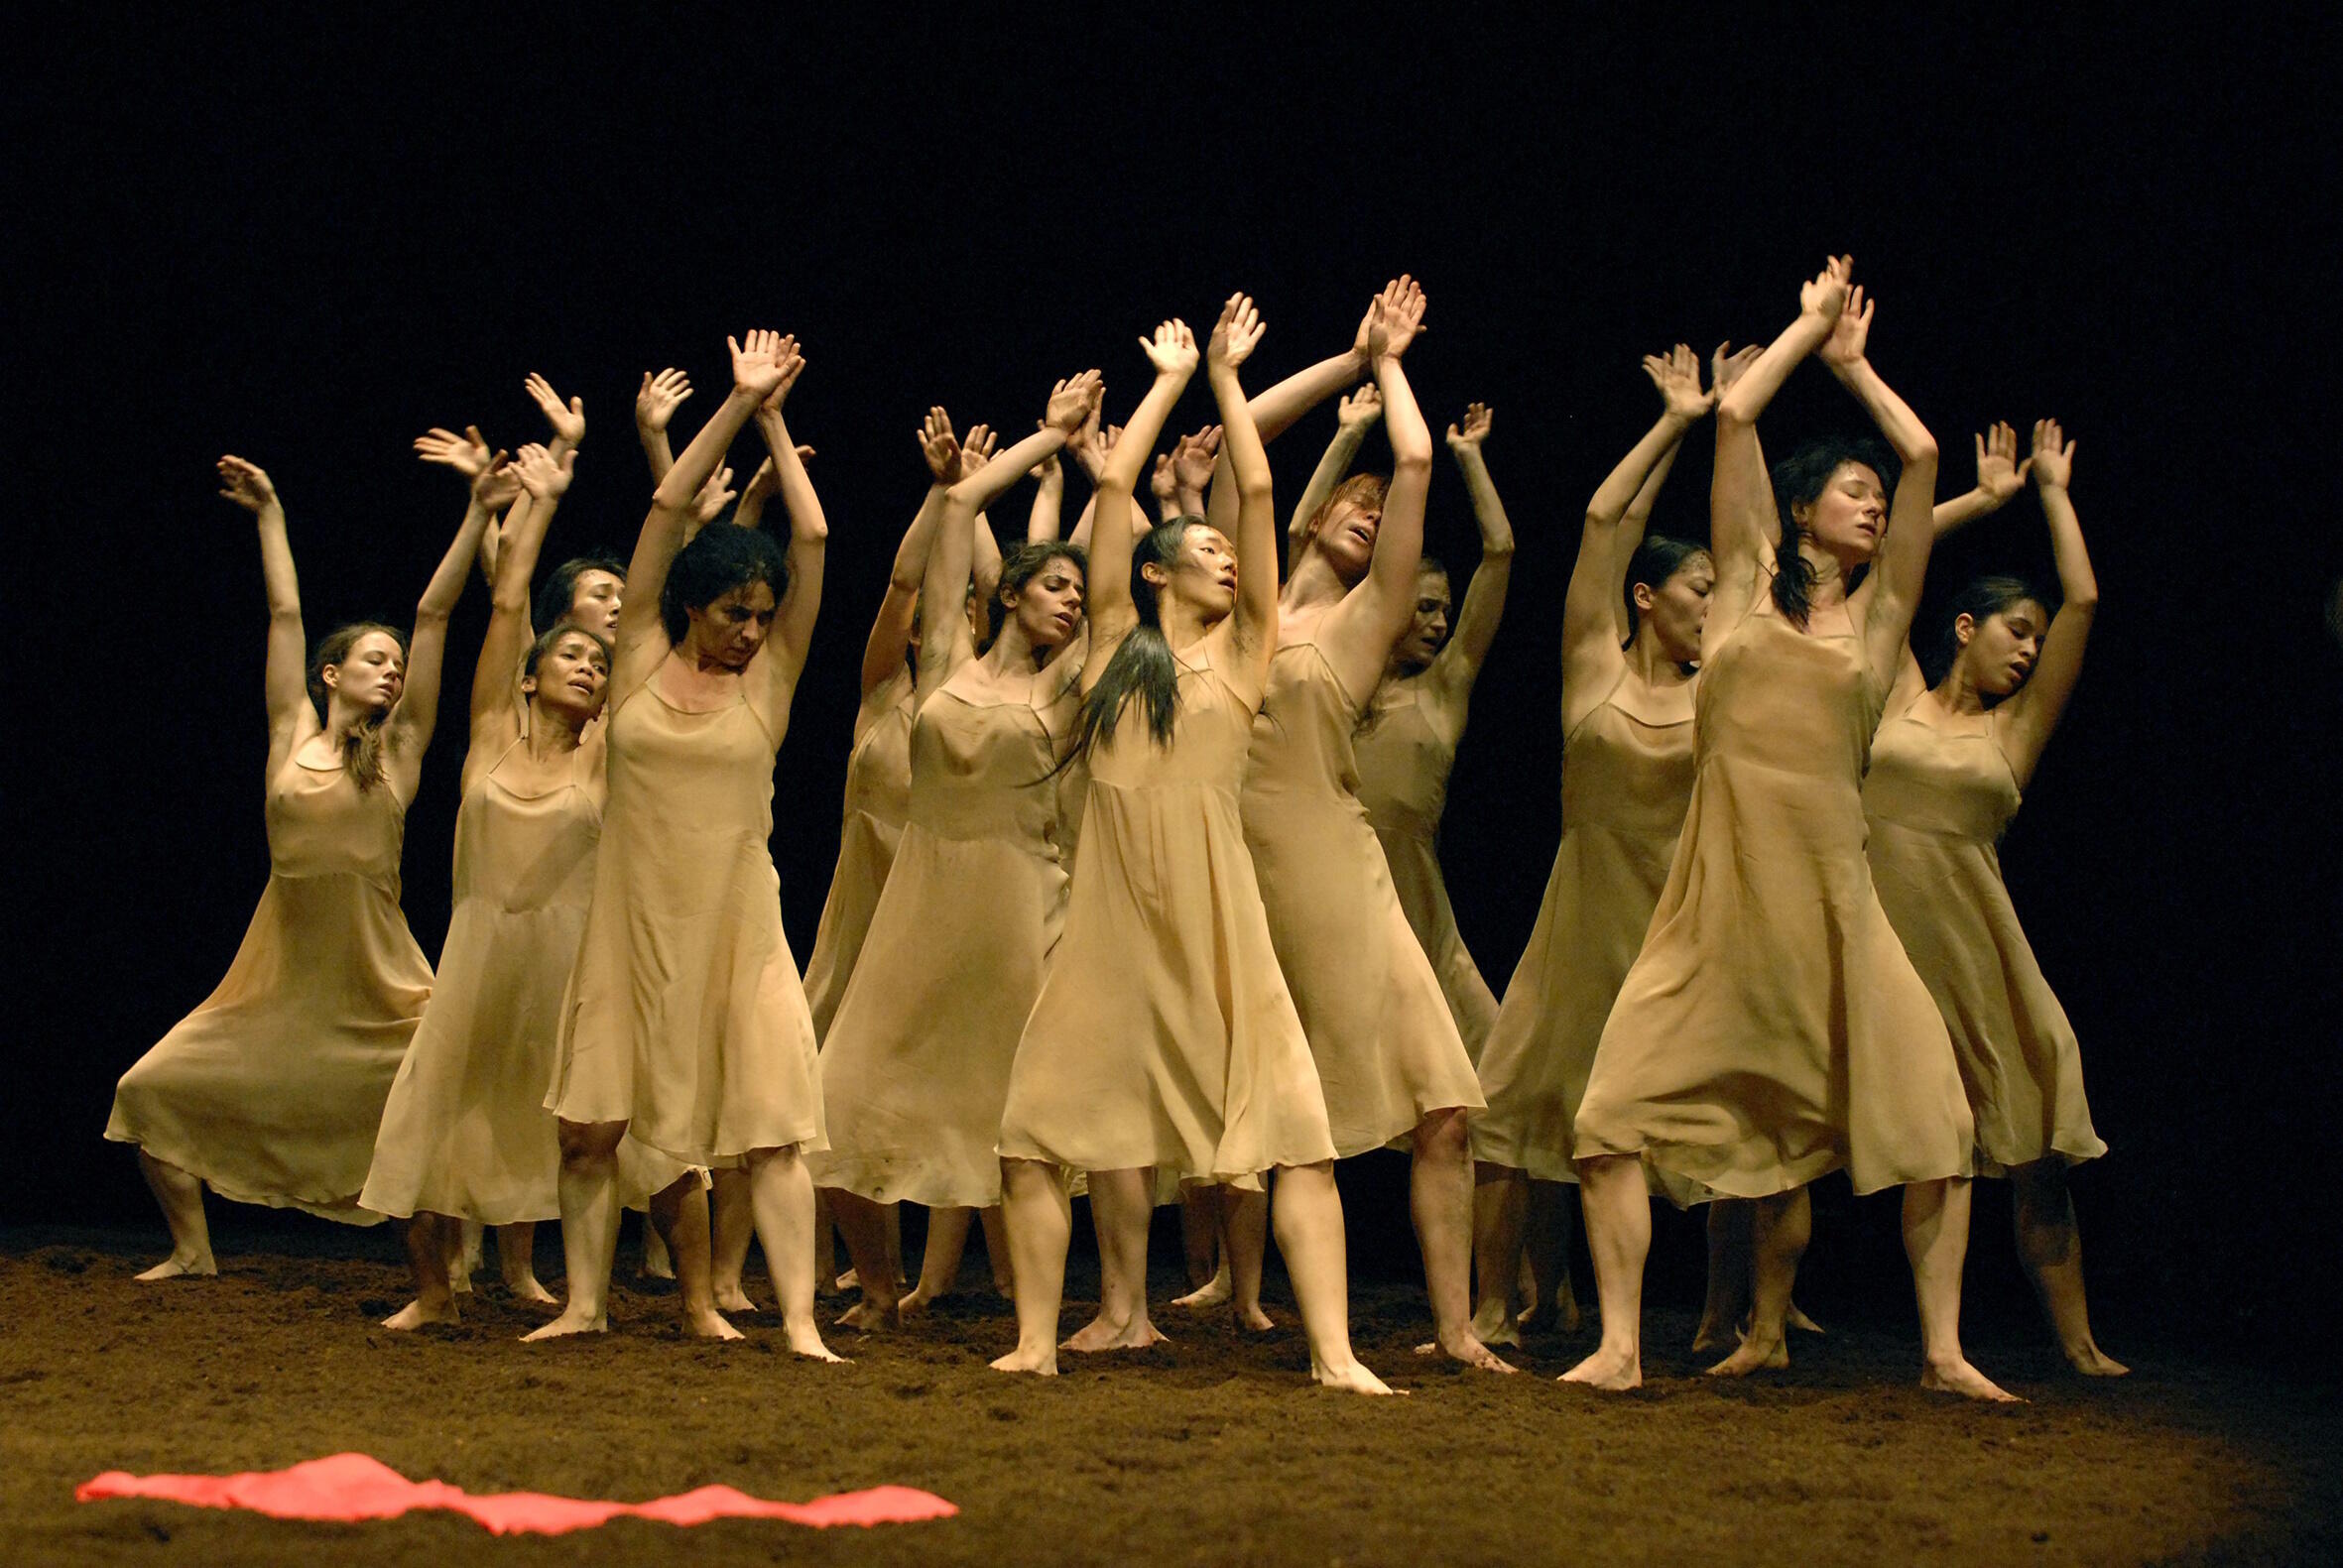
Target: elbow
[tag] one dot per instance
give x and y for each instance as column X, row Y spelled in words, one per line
column 2083, row 602
column 1732, row 409
column 1497, row 552
column 1919, row 450
column 1411, row 457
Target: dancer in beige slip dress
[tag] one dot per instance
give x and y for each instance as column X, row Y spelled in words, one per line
column 1947, row 771
column 916, row 1066
column 684, row 1022
column 1771, row 1030
column 1389, row 1055
column 1416, row 721
column 270, row 1091
column 1631, row 646
column 1163, row 1039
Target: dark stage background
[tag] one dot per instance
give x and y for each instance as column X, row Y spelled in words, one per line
column 307, row 246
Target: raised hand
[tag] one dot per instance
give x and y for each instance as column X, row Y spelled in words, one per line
column 1073, row 400
column 535, row 470
column 1849, row 333
column 246, row 484
column 1396, row 319
column 1164, row 485
column 762, row 485
column 1999, row 473
column 1474, row 428
column 1825, row 297
column 1677, row 376
column 714, row 497
column 1173, row 348
column 1397, row 288
column 1192, row 457
column 497, row 486
column 1236, row 334
column 1727, row 363
column 761, row 364
column 661, row 395
column 940, row 445
column 1362, row 408
column 1104, row 441
column 977, row 450
column 793, row 365
column 567, row 420
column 2053, row 461
column 468, row 454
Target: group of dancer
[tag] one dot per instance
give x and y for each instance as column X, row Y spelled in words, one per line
column 1138, row 888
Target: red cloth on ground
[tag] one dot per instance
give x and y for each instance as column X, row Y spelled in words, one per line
column 352, row 1486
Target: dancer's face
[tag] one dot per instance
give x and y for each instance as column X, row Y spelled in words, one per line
column 730, row 627
column 1205, row 574
column 1673, row 614
column 1428, row 630
column 572, row 678
column 1999, row 651
column 371, row 675
column 1346, row 537
column 1050, row 605
column 594, row 601
column 1850, row 517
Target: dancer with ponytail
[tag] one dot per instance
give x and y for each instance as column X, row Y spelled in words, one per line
column 1771, row 1030
column 270, row 1091
column 1947, row 772
column 685, row 1021
column 1163, row 1039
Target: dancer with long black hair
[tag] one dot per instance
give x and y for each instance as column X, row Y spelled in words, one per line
column 272, row 1090
column 1771, row 1030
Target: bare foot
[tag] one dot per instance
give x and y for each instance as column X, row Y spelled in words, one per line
column 917, row 1303
column 567, row 1323
column 1216, row 1291
column 2092, row 1361
column 870, row 1317
column 528, row 1289
column 1042, row 1362
column 1958, row 1376
column 805, row 1341
column 849, row 1280
column 1802, row 1323
column 1559, row 1316
column 1351, row 1378
column 1099, row 1334
column 415, row 1315
column 178, row 1268
column 709, row 1324
column 1251, row 1320
column 1614, row 1370
column 1466, row 1346
column 1752, row 1356
column 1493, row 1325
column 732, row 1298
column 1711, row 1337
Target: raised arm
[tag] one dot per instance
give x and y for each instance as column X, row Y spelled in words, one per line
column 975, row 452
column 1193, row 458
column 565, row 419
column 1354, row 416
column 417, row 712
column 2035, row 711
column 1357, row 634
column 1048, row 513
column 287, row 682
column 655, row 405
column 1742, row 523
column 1999, row 476
column 1900, row 565
column 1278, row 408
column 1106, row 598
column 809, row 533
column 1458, row 665
column 543, row 480
column 1254, row 625
column 757, row 369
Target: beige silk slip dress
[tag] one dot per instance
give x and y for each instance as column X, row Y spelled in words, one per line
column 878, row 798
column 1771, row 1030
column 914, row 1069
column 1939, row 796
column 1405, row 756
column 272, row 1090
column 685, row 1016
column 1163, row 1038
column 1626, row 784
column 1388, row 1050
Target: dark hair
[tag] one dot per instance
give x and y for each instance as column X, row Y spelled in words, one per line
column 552, row 635
column 1022, row 566
column 1142, row 665
column 719, row 559
column 1979, row 600
column 1799, row 480
column 1654, row 560
column 361, row 749
column 560, row 591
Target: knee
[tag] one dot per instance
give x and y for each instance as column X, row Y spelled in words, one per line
column 1446, row 1135
column 588, row 1144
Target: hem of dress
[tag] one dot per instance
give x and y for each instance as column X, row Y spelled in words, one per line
column 884, row 1181
column 1685, row 1162
column 1400, row 1136
column 1999, row 1169
column 341, row 1211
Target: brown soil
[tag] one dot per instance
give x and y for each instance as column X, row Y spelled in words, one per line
column 1212, row 1449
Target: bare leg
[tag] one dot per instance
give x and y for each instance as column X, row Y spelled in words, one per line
column 733, row 1223
column 1552, row 1220
column 1244, row 1221
column 1041, row 1220
column 656, row 1265
column 589, row 1224
column 427, row 1259
column 864, row 1225
column 1619, row 1233
column 1120, row 1209
column 1439, row 1197
column 180, row 1193
column 782, row 1193
column 1307, row 1212
column 469, row 1256
column 996, row 1249
column 679, row 1213
column 939, row 1269
column 1203, row 1232
column 2051, row 1247
column 826, row 1246
column 453, row 1266
column 895, row 1244
column 516, row 1261
column 1778, row 1230
column 1500, row 1204
column 1936, row 1241
column 1726, row 1304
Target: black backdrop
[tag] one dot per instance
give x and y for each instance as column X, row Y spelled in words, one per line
column 308, row 244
